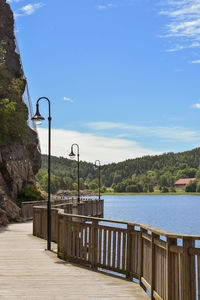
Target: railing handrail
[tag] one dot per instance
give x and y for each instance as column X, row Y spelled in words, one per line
column 153, row 229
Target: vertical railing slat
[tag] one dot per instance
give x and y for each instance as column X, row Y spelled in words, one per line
column 114, row 249
column 118, row 249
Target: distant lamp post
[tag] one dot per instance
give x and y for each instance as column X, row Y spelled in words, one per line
column 98, row 165
column 37, row 118
column 72, row 155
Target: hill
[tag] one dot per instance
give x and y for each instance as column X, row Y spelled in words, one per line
column 134, row 175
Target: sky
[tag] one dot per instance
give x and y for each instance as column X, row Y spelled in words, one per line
column 122, row 75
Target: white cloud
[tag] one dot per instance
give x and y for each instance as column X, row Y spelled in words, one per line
column 195, row 61
column 10, row 1
column 68, row 99
column 106, row 6
column 28, row 9
column 184, row 23
column 92, row 147
column 197, row 105
column 169, row 133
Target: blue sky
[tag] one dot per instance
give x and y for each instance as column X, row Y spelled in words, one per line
column 122, row 75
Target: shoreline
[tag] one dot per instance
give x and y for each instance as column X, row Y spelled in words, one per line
column 151, row 194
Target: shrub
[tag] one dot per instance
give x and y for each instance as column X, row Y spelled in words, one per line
column 191, row 187
column 29, row 193
column 164, row 190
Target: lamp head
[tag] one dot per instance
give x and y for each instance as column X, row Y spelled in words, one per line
column 37, row 118
column 72, row 154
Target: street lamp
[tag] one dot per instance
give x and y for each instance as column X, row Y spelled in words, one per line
column 72, row 155
column 98, row 166
column 37, row 118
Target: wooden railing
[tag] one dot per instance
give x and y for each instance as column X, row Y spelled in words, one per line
column 166, row 264
column 87, row 206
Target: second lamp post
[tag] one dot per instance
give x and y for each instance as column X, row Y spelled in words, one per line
column 72, row 155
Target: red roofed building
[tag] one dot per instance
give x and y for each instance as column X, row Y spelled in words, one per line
column 181, row 183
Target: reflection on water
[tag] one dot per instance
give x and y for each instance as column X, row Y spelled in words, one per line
column 180, row 214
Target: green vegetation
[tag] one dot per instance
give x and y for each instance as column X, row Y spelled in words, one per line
column 29, row 193
column 149, row 174
column 13, row 112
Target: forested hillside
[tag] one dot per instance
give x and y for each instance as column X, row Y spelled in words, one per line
column 134, row 175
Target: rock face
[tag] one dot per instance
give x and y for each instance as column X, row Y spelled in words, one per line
column 20, row 161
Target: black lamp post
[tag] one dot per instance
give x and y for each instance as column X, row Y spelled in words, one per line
column 72, row 155
column 99, row 167
column 37, row 118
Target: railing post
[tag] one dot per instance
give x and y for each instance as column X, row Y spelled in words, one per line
column 94, row 243
column 169, row 268
column 129, row 254
column 188, row 271
column 141, row 259
column 153, row 263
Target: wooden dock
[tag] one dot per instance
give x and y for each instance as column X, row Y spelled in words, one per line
column 28, row 272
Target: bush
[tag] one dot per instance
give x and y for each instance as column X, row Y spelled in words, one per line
column 151, row 189
column 191, row 187
column 198, row 188
column 172, row 189
column 164, row 190
column 29, row 193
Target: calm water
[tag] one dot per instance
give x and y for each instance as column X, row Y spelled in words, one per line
column 180, row 214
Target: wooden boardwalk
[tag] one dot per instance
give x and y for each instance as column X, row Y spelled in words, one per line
column 28, row 272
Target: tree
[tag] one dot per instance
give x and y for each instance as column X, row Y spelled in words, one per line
column 13, row 112
column 191, row 187
column 93, row 185
column 151, row 190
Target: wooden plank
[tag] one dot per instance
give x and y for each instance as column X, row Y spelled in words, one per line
column 160, row 244
column 176, row 276
column 73, row 240
column 119, row 250
column 146, row 236
column 94, row 229
column 153, row 271
column 90, row 244
column 194, row 251
column 169, row 269
column 81, row 243
column 70, row 239
column 188, row 271
column 77, row 241
column 157, row 297
column 100, row 246
column 86, row 243
column 114, row 249
column 133, row 253
column 104, row 246
column 112, row 228
column 141, row 255
column 109, row 247
column 124, row 252
column 176, row 249
column 145, row 283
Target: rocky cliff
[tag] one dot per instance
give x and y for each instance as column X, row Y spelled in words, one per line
column 19, row 160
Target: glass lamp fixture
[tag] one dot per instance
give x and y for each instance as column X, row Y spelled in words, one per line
column 37, row 118
column 72, row 154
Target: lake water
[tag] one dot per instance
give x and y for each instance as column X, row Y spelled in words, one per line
column 178, row 214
